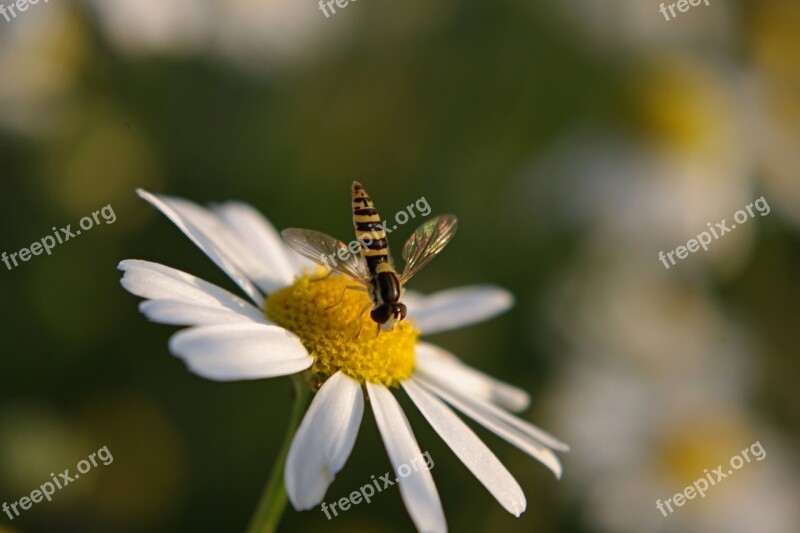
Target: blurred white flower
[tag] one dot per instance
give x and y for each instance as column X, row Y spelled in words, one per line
column 686, row 161
column 633, row 198
column 633, row 27
column 658, row 388
column 249, row 33
column 173, row 27
column 624, row 311
column 41, row 54
column 639, row 440
column 773, row 44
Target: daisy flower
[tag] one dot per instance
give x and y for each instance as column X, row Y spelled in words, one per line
column 297, row 323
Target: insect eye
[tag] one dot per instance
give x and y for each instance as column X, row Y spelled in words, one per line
column 403, row 310
column 380, row 314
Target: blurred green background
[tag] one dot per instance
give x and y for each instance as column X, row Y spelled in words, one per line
column 574, row 140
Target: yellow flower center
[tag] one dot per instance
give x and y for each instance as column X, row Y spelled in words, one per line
column 702, row 443
column 338, row 336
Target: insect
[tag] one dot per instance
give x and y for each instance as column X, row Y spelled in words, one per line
column 372, row 267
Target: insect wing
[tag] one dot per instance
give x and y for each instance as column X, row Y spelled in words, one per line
column 427, row 241
column 324, row 250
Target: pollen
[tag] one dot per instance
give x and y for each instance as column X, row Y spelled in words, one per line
column 330, row 324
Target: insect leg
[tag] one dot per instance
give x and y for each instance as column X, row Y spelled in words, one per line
column 360, row 314
column 326, row 276
column 341, row 296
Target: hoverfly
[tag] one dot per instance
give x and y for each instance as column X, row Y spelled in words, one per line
column 372, row 267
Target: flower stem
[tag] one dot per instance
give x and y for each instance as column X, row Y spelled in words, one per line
column 273, row 500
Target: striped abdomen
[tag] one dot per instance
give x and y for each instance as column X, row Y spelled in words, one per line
column 369, row 231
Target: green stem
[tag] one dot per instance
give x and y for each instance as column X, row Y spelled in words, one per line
column 274, row 499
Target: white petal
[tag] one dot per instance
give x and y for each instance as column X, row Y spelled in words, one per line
column 481, row 414
column 440, row 365
column 180, row 298
column 519, row 424
column 413, row 299
column 273, row 267
column 204, row 231
column 323, row 441
column 417, row 488
column 240, row 351
column 183, row 314
column 456, row 308
column 469, row 448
